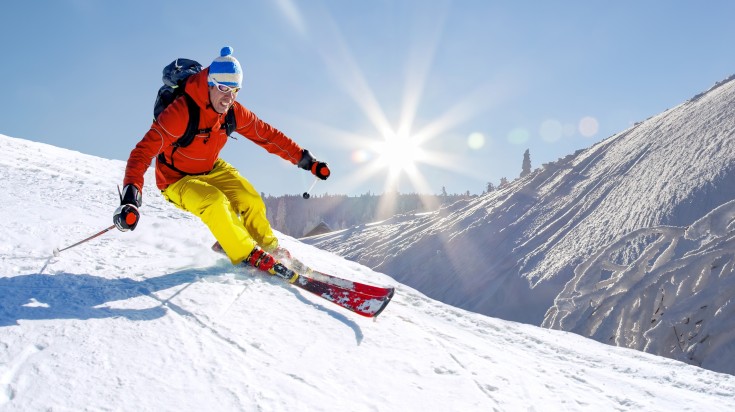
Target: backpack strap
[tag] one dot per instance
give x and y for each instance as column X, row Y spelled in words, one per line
column 192, row 130
column 230, row 122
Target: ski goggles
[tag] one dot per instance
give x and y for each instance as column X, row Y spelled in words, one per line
column 224, row 88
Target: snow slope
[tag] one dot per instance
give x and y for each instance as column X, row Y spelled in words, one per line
column 151, row 320
column 533, row 251
column 666, row 290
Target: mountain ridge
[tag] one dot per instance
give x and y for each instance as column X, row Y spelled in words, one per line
column 510, row 253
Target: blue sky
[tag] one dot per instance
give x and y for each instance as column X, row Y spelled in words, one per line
column 472, row 84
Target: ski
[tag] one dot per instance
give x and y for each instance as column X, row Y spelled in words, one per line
column 360, row 303
column 341, row 282
column 360, row 298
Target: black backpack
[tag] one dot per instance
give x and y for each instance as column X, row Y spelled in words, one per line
column 174, row 78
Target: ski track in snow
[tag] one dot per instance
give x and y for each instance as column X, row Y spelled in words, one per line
column 152, row 320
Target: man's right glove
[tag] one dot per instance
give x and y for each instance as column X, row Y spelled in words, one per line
column 126, row 216
column 317, row 168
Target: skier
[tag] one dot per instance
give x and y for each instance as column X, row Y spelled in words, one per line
column 195, row 179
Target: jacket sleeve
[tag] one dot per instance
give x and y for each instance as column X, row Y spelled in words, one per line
column 170, row 125
column 266, row 136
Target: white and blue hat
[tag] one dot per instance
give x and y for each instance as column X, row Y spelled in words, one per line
column 225, row 69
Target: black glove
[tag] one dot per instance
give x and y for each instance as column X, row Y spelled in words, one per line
column 317, row 168
column 126, row 216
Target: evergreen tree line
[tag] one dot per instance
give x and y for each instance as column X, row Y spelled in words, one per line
column 295, row 216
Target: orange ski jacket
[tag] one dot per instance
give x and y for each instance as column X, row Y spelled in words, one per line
column 200, row 155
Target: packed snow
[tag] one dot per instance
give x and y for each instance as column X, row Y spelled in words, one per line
column 152, row 320
column 629, row 242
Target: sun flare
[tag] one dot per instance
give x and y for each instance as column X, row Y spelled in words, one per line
column 398, row 153
column 401, row 146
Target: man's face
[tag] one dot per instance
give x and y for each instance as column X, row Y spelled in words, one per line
column 221, row 101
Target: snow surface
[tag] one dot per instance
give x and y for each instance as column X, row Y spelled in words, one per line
column 629, row 242
column 151, row 320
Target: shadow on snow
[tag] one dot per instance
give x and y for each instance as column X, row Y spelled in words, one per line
column 82, row 296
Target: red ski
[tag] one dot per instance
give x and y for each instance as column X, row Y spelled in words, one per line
column 363, row 299
column 369, row 305
column 342, row 283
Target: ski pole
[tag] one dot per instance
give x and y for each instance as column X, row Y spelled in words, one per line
column 57, row 250
column 306, row 194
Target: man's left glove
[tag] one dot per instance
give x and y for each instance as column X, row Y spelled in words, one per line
column 126, row 216
column 317, row 168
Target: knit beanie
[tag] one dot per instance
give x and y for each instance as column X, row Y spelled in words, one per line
column 225, row 69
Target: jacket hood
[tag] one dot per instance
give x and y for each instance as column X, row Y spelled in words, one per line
column 198, row 89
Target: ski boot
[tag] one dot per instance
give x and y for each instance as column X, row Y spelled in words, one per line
column 264, row 261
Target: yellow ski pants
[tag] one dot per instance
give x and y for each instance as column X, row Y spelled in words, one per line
column 229, row 205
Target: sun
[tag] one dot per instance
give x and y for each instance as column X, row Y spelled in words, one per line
column 398, row 153
column 400, row 145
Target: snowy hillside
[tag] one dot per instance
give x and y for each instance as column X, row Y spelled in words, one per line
column 153, row 321
column 512, row 253
column 666, row 290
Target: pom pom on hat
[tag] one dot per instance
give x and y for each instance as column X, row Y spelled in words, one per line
column 225, row 69
column 226, row 51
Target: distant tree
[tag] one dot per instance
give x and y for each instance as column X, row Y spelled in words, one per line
column 281, row 215
column 490, row 187
column 503, row 182
column 444, row 191
column 526, row 168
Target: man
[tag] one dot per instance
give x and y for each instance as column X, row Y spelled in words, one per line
column 195, row 179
